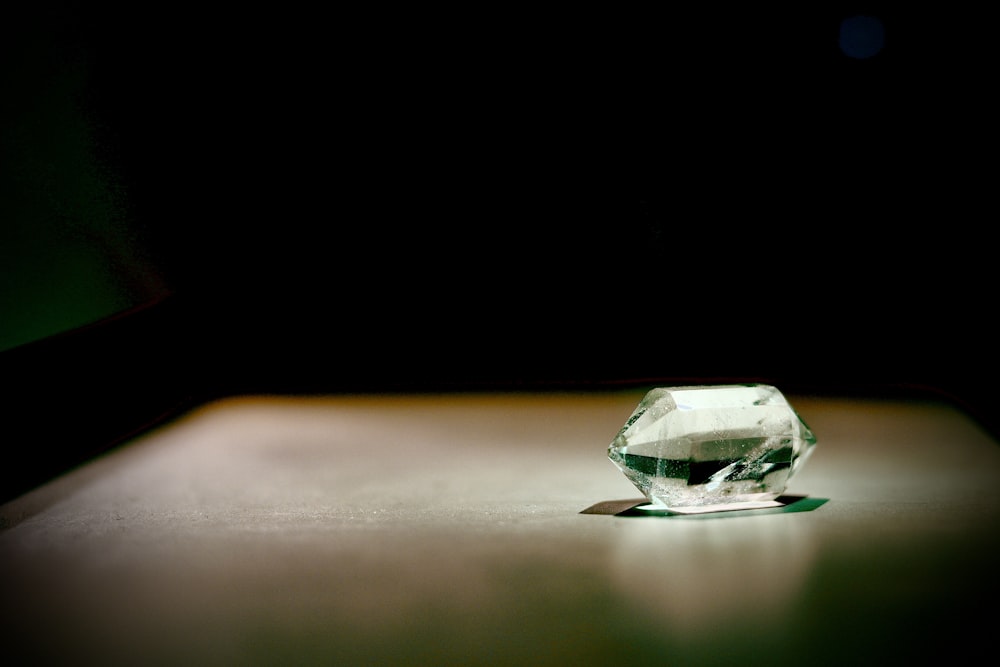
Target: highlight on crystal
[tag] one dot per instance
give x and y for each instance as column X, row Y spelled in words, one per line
column 705, row 447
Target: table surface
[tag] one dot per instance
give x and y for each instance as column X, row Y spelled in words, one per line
column 454, row 529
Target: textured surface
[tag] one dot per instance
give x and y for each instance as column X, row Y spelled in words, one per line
column 448, row 530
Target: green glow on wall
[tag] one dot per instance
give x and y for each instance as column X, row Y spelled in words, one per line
column 68, row 250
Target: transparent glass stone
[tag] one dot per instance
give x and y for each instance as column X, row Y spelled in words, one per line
column 711, row 446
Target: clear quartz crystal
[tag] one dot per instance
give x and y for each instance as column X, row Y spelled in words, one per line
column 712, row 446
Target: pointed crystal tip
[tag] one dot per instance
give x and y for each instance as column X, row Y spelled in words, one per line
column 700, row 446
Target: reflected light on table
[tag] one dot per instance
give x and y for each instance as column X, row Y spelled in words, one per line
column 758, row 566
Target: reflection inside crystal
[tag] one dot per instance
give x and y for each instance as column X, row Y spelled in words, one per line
column 699, row 447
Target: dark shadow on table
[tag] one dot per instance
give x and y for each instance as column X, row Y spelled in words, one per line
column 630, row 508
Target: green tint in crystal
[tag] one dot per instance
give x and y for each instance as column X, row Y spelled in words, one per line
column 711, row 445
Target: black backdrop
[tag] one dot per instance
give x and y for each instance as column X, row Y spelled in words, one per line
column 403, row 200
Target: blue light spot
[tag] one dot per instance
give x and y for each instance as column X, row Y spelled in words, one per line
column 861, row 36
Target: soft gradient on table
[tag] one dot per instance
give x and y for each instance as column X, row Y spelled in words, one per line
column 450, row 529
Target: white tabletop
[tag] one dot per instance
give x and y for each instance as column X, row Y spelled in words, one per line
column 454, row 529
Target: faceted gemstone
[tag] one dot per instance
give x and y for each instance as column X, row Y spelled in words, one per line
column 701, row 448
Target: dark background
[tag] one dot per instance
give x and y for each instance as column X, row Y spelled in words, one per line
column 206, row 201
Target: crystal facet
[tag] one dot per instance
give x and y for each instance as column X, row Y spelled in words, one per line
column 712, row 446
